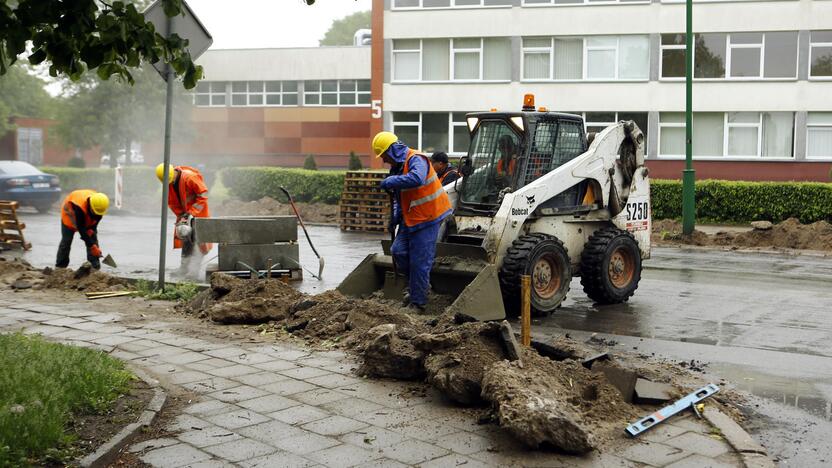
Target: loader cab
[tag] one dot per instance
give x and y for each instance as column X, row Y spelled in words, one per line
column 510, row 150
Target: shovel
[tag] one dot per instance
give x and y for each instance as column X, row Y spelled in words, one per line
column 308, row 239
column 108, row 260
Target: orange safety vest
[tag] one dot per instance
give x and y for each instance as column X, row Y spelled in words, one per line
column 426, row 202
column 80, row 199
column 449, row 171
column 511, row 166
column 192, row 197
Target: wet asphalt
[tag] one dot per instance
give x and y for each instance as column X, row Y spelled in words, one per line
column 759, row 320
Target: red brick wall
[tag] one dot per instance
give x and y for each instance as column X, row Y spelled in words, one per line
column 744, row 170
column 54, row 152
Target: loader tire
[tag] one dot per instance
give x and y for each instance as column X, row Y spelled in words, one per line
column 545, row 259
column 610, row 266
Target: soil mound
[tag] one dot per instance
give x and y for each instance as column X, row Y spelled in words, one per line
column 234, row 300
column 84, row 278
column 267, row 206
column 668, row 231
column 790, row 234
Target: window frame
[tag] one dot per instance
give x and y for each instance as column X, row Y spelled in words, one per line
column 396, row 52
column 662, row 48
column 727, row 126
column 551, row 3
column 817, row 125
column 418, row 124
column 761, row 56
column 452, row 51
column 585, row 64
column 451, row 6
column 587, row 48
column 537, row 50
column 812, row 45
column 452, row 57
column 320, row 92
column 210, row 94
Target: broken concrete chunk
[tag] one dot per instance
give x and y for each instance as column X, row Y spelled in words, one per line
column 454, row 380
column 762, row 225
column 387, row 355
column 21, row 284
column 622, row 379
column 252, row 311
column 296, row 325
column 588, row 362
column 431, row 342
column 512, row 348
column 222, row 284
column 652, row 392
column 302, row 305
column 84, row 270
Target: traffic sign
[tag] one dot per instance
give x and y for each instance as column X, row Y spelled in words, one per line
column 186, row 25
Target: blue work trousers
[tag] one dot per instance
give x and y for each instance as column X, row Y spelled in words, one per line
column 413, row 252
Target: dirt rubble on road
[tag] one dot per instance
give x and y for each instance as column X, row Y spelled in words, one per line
column 268, row 206
column 557, row 401
column 789, row 234
column 17, row 273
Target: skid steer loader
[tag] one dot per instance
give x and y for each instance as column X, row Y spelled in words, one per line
column 539, row 198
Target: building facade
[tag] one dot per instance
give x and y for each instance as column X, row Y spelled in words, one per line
column 762, row 75
column 277, row 106
column 29, row 140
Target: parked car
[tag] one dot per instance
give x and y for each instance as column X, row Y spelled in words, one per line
column 28, row 185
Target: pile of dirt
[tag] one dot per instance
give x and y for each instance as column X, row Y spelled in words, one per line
column 790, row 234
column 16, row 273
column 233, row 300
column 19, row 274
column 267, row 206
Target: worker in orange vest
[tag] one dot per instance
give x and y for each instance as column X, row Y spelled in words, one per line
column 188, row 199
column 420, row 206
column 447, row 173
column 81, row 212
column 508, row 159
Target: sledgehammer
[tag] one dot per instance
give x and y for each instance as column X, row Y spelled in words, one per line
column 300, row 221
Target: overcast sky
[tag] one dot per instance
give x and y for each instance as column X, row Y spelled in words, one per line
column 271, row 23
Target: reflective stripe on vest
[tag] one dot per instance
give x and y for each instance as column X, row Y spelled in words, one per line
column 426, row 202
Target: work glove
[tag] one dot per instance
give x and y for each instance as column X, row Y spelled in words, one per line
column 95, row 251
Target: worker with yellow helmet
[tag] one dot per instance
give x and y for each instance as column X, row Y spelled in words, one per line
column 81, row 212
column 188, row 199
column 420, row 204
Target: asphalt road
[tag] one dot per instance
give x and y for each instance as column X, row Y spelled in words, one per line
column 761, row 321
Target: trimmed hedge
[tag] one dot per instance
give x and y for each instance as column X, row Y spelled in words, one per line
column 725, row 201
column 138, row 180
column 254, row 183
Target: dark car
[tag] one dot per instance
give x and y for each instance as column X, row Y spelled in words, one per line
column 28, row 185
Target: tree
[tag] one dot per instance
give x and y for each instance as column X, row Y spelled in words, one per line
column 22, row 95
column 310, row 164
column 355, row 162
column 342, row 31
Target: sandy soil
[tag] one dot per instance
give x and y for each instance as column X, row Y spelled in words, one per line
column 790, row 234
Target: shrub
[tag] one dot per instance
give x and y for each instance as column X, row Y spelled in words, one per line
column 138, row 180
column 75, row 161
column 309, row 164
column 740, row 202
column 254, row 183
column 355, row 162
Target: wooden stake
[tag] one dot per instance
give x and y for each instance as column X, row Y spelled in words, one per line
column 525, row 311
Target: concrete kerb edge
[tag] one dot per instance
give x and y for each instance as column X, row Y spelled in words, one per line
column 769, row 251
column 106, row 453
column 752, row 454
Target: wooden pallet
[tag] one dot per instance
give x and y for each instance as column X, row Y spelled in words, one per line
column 11, row 229
column 363, row 206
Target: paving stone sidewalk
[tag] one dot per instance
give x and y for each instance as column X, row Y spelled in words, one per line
column 280, row 405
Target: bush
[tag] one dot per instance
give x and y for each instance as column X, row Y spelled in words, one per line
column 138, row 180
column 77, row 162
column 723, row 201
column 309, row 164
column 254, row 183
column 355, row 162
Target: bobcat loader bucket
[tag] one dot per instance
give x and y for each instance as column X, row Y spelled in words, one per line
column 459, row 271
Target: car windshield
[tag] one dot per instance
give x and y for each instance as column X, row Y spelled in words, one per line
column 494, row 154
column 18, row 168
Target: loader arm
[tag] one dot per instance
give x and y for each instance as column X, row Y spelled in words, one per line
column 598, row 163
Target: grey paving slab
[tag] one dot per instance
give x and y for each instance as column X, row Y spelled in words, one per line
column 698, row 443
column 280, row 459
column 210, row 408
column 85, row 324
column 209, row 435
column 124, row 355
column 424, row 429
column 372, row 437
column 300, row 414
column 183, row 377
column 276, row 365
column 334, row 426
column 413, row 452
column 303, row 373
column 104, row 318
column 292, row 355
column 261, row 379
column 654, row 454
column 211, row 385
column 384, row 463
column 331, row 380
column 351, row 406
column 385, row 418
column 45, row 317
column 133, row 346
column 115, row 340
column 315, row 361
column 344, row 456
column 234, row 371
column 61, row 322
column 271, row 431
column 174, row 456
column 698, row 461
column 187, row 422
column 318, row 397
column 212, row 363
column 240, row 450
column 237, row 419
column 662, row 433
column 186, row 357
column 45, row 330
column 210, row 464
column 152, row 444
column 464, row 442
column 250, row 358
column 238, row 394
column 306, row 443
column 452, row 461
column 289, row 386
column 268, row 403
column 224, row 353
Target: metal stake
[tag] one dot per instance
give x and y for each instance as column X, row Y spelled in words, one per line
column 165, row 186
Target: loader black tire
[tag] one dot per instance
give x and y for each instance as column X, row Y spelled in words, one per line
column 610, row 266
column 545, row 259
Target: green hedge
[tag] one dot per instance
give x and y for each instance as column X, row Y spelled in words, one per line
column 254, row 183
column 724, row 201
column 140, row 180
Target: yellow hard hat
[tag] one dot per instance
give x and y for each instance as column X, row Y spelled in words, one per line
column 99, row 203
column 382, row 141
column 160, row 172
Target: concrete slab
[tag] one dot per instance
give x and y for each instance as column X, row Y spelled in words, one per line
column 246, row 230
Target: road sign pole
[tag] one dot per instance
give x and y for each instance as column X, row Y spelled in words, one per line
column 170, row 78
column 688, row 175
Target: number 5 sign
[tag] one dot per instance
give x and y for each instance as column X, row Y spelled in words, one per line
column 376, row 106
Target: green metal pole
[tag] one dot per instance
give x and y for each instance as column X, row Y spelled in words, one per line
column 171, row 78
column 688, row 175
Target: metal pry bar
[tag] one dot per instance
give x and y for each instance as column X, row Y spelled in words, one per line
column 680, row 405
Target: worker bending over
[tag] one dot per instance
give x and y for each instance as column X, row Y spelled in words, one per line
column 188, row 199
column 447, row 173
column 420, row 205
column 81, row 212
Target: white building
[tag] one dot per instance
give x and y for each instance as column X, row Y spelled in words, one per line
column 762, row 89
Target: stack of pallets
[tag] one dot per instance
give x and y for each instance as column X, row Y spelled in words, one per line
column 364, row 207
column 11, row 229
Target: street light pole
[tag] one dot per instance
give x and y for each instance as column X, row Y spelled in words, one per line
column 688, row 175
column 170, row 77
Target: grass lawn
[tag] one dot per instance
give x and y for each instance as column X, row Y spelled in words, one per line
column 42, row 387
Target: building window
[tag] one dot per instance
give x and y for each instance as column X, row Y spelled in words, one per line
column 433, row 131
column 342, row 93
column 30, row 145
column 820, row 55
column 598, row 58
column 595, row 122
column 579, row 2
column 264, row 93
column 771, row 55
column 819, row 135
column 407, row 4
column 468, row 59
column 210, row 93
column 731, row 134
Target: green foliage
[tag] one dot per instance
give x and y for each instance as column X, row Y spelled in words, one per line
column 342, row 30
column 173, row 291
column 254, row 183
column 75, row 37
column 22, row 95
column 355, row 162
column 740, row 202
column 309, row 163
column 76, row 162
column 42, row 385
column 137, row 180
